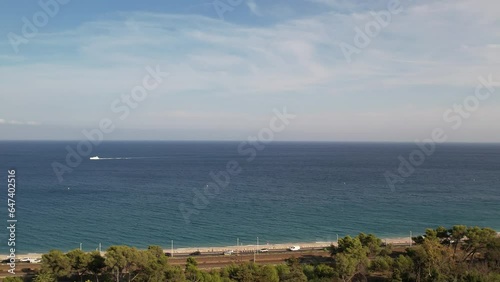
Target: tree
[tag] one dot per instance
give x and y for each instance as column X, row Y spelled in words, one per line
column 12, row 279
column 243, row 272
column 457, row 234
column 122, row 261
column 492, row 254
column 432, row 261
column 349, row 245
column 212, row 276
column 476, row 240
column 350, row 257
column 56, row 263
column 324, row 271
column 442, row 233
column 268, row 273
column 371, row 242
column 96, row 264
column 309, row 272
column 192, row 272
column 248, row 272
column 283, row 271
column 153, row 264
column 79, row 262
column 296, row 274
column 175, row 274
column 191, row 261
column 346, row 266
column 402, row 268
column 381, row 264
column 431, row 234
column 44, row 277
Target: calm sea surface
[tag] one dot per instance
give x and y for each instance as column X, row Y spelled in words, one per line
column 290, row 192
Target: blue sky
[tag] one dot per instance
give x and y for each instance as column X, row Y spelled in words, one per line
column 226, row 75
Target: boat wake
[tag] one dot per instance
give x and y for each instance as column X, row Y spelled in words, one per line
column 97, row 158
column 114, row 158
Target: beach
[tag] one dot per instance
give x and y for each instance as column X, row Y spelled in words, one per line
column 303, row 245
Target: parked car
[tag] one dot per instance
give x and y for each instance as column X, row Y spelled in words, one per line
column 168, row 254
column 197, row 253
column 228, row 253
column 263, row 251
column 294, row 248
column 35, row 261
column 25, row 259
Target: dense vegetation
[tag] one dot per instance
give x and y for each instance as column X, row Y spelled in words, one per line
column 460, row 253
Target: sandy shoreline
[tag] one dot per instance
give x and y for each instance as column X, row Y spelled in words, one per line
column 243, row 248
column 275, row 246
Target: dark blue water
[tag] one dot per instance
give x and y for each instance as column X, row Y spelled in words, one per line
column 290, row 192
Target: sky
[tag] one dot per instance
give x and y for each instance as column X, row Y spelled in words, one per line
column 347, row 70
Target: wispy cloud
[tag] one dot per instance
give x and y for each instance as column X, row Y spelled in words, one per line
column 254, row 8
column 17, row 122
column 352, row 6
column 417, row 62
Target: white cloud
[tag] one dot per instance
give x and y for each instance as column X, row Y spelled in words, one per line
column 254, row 8
column 430, row 55
column 352, row 6
column 17, row 122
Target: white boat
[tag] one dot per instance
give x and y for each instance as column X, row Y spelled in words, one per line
column 94, row 158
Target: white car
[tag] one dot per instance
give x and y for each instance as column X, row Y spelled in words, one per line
column 228, row 253
column 31, row 260
column 35, row 260
column 294, row 248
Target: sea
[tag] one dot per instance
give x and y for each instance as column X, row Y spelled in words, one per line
column 200, row 194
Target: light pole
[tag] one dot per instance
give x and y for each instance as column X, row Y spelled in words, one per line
column 410, row 238
column 172, row 248
column 255, row 251
column 80, row 246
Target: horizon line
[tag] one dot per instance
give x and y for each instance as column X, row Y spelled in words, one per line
column 235, row 141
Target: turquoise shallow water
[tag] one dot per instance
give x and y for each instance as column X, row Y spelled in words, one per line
column 290, row 192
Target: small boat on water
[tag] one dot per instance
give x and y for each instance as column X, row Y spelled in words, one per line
column 94, row 158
